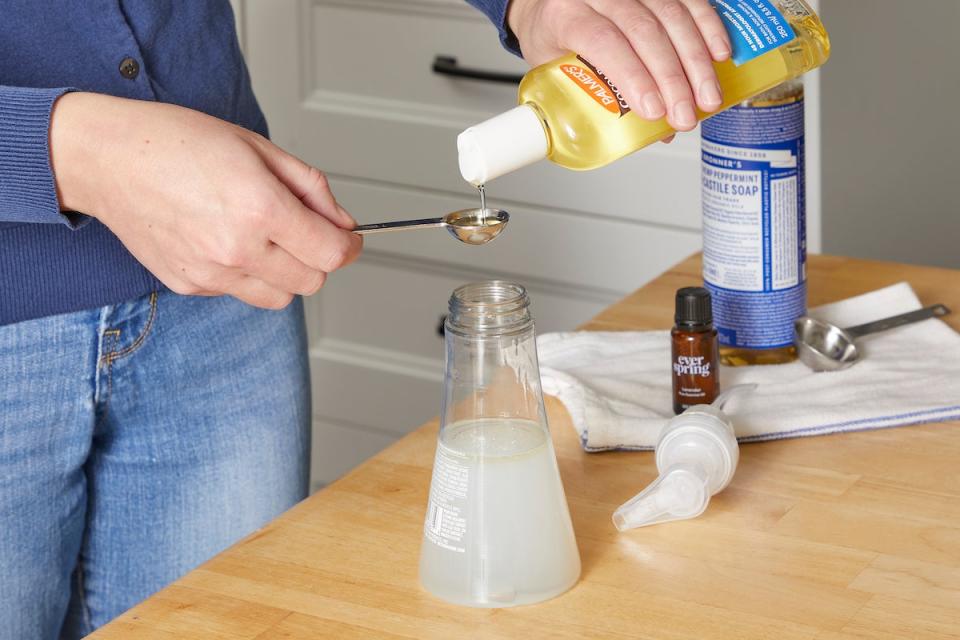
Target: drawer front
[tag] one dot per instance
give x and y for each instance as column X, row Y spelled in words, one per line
column 388, row 56
column 337, row 449
column 568, row 248
column 376, row 353
column 354, row 391
column 396, row 307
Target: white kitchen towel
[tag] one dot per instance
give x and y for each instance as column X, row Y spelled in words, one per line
column 617, row 385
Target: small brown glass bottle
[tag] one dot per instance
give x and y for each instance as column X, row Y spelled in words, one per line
column 694, row 350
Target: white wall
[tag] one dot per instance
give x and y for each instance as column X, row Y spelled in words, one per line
column 891, row 137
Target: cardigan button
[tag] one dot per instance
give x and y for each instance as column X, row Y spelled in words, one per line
column 129, row 68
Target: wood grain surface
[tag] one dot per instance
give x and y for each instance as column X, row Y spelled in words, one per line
column 836, row 537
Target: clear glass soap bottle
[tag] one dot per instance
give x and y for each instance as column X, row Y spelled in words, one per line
column 497, row 531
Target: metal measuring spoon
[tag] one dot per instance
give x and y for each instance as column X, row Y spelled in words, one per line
column 472, row 226
column 826, row 347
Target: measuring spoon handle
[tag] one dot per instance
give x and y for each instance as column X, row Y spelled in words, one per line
column 399, row 225
column 934, row 311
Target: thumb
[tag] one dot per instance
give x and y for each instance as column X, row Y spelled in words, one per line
column 307, row 183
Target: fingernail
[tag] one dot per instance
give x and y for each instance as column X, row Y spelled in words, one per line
column 684, row 116
column 720, row 48
column 653, row 106
column 710, row 95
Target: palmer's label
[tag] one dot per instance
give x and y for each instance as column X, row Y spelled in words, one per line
column 596, row 85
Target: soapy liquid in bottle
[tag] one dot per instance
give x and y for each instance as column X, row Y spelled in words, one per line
column 526, row 538
column 585, row 135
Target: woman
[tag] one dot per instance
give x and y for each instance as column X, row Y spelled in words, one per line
column 154, row 395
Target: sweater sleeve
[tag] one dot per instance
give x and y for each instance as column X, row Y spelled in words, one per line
column 27, row 189
column 496, row 11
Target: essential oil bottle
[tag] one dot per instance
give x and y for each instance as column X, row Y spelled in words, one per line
column 694, row 350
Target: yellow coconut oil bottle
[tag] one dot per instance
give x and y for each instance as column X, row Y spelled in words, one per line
column 572, row 114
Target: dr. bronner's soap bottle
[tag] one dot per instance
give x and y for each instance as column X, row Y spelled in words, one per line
column 754, row 225
column 570, row 113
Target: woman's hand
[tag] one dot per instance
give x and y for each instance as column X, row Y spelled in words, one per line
column 658, row 53
column 208, row 207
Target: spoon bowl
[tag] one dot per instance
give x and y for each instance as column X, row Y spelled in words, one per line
column 826, row 347
column 823, row 346
column 470, row 226
column 476, row 226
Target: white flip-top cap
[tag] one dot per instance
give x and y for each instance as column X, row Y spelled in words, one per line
column 501, row 144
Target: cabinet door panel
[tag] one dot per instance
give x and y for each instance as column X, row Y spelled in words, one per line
column 395, row 307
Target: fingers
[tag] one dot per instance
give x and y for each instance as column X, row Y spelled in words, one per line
column 269, row 280
column 258, row 293
column 320, row 242
column 711, row 28
column 598, row 39
column 312, row 239
column 281, row 270
column 183, row 286
column 650, row 42
column 306, row 182
column 693, row 53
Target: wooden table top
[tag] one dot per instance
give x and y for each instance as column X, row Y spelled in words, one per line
column 836, row 537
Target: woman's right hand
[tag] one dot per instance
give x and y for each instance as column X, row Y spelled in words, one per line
column 659, row 53
column 208, row 207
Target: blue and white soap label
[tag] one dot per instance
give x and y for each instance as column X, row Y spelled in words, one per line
column 755, row 27
column 754, row 227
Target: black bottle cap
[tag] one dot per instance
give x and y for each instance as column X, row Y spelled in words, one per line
column 693, row 307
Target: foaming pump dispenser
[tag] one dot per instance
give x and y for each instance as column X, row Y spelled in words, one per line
column 697, row 454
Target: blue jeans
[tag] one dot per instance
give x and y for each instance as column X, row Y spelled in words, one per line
column 136, row 441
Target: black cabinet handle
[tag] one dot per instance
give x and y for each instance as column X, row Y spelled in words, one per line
column 448, row 66
column 441, row 329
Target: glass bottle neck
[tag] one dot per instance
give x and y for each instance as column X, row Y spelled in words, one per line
column 491, row 356
column 489, row 309
column 685, row 327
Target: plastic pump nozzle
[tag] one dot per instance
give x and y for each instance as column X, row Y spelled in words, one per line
column 678, row 494
column 696, row 454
